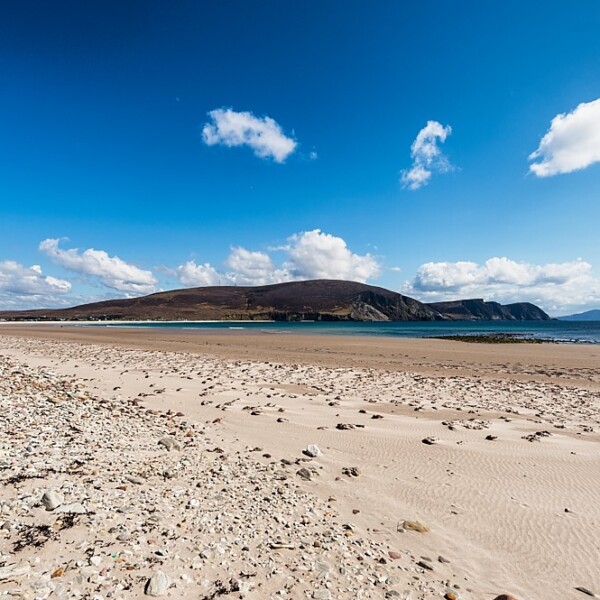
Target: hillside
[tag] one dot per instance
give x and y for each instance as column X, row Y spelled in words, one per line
column 588, row 315
column 317, row 300
column 479, row 310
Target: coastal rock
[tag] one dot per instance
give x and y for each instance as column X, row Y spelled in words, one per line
column 52, row 500
column 169, row 443
column 75, row 508
column 351, row 471
column 312, row 450
column 345, row 426
column 415, row 526
column 157, row 585
column 304, row 474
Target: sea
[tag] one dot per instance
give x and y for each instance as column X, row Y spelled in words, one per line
column 572, row 332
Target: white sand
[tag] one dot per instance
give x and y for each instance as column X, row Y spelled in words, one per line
column 510, row 515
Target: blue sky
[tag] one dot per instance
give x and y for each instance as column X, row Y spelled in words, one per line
column 135, row 134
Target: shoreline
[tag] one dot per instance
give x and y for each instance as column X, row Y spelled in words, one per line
column 561, row 364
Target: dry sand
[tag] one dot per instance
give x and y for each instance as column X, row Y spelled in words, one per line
column 508, row 514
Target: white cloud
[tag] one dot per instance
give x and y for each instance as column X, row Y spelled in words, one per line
column 427, row 156
column 27, row 287
column 254, row 268
column 318, row 255
column 554, row 286
column 111, row 271
column 308, row 255
column 572, row 142
column 263, row 135
column 29, row 281
column 192, row 275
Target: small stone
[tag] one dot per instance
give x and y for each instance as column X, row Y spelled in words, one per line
column 451, row 596
column 14, row 571
column 351, row 471
column 52, row 500
column 415, row 526
column 58, row 573
column 491, row 437
column 321, row 595
column 157, row 585
column 505, row 597
column 585, row 591
column 425, row 565
column 134, row 479
column 429, row 441
column 304, row 473
column 443, row 560
column 312, row 450
column 169, row 443
column 95, row 561
column 394, row 555
column 344, row 426
column 75, row 508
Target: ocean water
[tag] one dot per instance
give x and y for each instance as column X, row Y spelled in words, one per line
column 587, row 332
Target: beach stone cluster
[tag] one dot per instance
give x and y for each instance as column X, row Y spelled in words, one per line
column 102, row 499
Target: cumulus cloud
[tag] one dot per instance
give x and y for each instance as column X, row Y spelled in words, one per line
column 29, row 281
column 318, row 255
column 427, row 156
column 254, row 268
column 263, row 135
column 307, row 255
column 572, row 142
column 192, row 275
column 111, row 271
column 28, row 287
column 554, row 286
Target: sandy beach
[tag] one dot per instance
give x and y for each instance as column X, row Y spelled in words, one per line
column 182, row 465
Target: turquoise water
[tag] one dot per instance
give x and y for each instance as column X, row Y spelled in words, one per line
column 561, row 331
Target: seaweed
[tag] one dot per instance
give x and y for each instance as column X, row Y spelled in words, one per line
column 35, row 536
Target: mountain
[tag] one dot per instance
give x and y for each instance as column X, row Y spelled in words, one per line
column 317, row 300
column 479, row 310
column 588, row 315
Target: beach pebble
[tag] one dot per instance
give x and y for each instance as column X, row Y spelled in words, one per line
column 169, row 443
column 12, row 571
column 429, row 441
column 505, row 597
column 52, row 500
column 415, row 526
column 304, row 474
column 75, row 508
column 158, row 584
column 312, row 450
column 351, row 471
column 585, row 591
column 344, row 426
column 135, row 480
column 321, row 595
